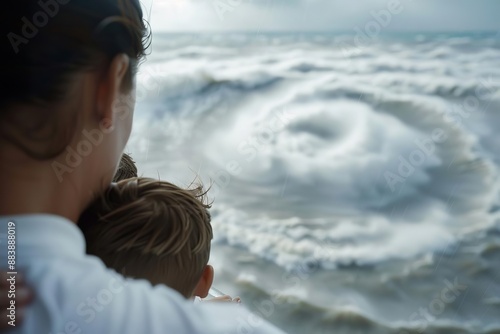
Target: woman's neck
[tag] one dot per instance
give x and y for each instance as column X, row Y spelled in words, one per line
column 29, row 187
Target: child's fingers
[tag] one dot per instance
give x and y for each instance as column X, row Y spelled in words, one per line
column 221, row 299
column 225, row 298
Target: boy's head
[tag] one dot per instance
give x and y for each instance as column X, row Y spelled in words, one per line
column 126, row 169
column 151, row 229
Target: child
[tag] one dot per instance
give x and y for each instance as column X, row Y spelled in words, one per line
column 66, row 115
column 126, row 168
column 151, row 229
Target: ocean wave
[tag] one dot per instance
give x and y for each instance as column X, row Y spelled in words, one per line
column 165, row 85
column 359, row 167
column 347, row 242
column 334, row 150
column 341, row 316
column 354, row 142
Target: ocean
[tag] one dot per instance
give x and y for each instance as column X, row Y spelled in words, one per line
column 354, row 185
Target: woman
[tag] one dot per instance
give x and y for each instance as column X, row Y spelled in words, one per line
column 65, row 116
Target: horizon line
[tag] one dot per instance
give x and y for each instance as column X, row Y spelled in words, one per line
column 330, row 31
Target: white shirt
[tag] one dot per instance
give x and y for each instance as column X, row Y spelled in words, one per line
column 77, row 294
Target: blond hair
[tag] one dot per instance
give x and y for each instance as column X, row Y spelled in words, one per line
column 151, row 229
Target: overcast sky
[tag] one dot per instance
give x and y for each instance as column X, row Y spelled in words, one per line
column 321, row 15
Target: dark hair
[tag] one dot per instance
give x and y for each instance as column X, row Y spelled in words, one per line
column 45, row 43
column 126, row 170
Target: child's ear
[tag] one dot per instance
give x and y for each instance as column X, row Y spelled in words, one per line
column 205, row 282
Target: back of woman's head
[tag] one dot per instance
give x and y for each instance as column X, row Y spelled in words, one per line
column 45, row 44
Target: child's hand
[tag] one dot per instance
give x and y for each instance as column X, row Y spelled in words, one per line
column 224, row 299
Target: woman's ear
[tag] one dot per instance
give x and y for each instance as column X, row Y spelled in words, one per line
column 205, row 282
column 109, row 90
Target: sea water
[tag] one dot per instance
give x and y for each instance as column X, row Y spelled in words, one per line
column 355, row 186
